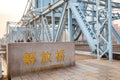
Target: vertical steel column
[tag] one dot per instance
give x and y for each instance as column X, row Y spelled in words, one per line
column 43, row 33
column 42, row 5
column 39, row 28
column 93, row 27
column 53, row 22
column 110, row 28
column 70, row 28
column 98, row 28
column 36, row 30
column 65, row 33
column 35, row 4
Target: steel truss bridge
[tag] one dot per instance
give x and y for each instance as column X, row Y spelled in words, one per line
column 86, row 21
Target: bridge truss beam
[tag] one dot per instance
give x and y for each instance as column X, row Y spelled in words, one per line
column 68, row 20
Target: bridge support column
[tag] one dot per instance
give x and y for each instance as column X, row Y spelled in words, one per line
column 98, row 28
column 43, row 33
column 53, row 22
column 70, row 28
column 110, row 29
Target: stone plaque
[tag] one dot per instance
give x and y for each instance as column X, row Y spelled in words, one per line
column 32, row 57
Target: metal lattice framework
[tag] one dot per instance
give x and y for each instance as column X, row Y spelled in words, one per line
column 68, row 20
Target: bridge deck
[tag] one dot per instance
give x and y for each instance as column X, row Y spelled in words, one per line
column 91, row 69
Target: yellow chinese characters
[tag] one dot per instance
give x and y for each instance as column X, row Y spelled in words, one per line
column 30, row 58
column 59, row 55
column 45, row 57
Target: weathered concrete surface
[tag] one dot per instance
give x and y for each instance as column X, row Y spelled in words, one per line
column 91, row 69
column 29, row 57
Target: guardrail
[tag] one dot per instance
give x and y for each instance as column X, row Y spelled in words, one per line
column 85, row 47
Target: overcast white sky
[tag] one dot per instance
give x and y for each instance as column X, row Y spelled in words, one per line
column 11, row 10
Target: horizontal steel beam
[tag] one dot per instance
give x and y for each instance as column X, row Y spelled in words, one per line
column 114, row 4
column 52, row 7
